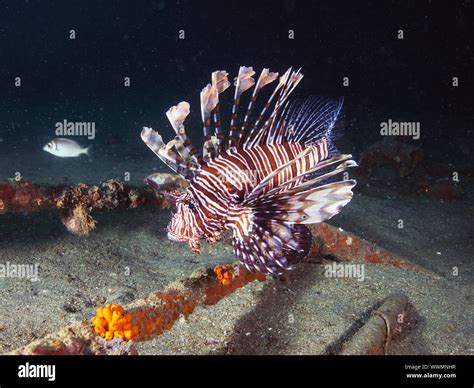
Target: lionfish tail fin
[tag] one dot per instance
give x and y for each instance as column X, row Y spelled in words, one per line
column 270, row 246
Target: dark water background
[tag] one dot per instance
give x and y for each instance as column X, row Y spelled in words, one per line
column 82, row 79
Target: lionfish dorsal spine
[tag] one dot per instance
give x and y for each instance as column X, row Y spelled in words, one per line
column 183, row 157
column 221, row 82
column 290, row 82
column 243, row 82
column 266, row 77
column 273, row 125
column 181, row 149
column 155, row 142
column 255, row 129
column 274, row 134
column 176, row 116
column 214, row 144
column 209, row 100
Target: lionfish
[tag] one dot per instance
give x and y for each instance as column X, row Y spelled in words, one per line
column 264, row 179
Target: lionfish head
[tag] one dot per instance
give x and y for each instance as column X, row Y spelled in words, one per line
column 182, row 226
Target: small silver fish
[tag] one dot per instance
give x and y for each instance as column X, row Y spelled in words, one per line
column 65, row 148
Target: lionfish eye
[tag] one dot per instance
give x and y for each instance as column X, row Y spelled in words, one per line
column 191, row 206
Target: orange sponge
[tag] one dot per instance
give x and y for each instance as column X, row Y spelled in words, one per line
column 224, row 274
column 110, row 322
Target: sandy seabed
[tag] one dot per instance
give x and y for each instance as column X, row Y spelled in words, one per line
column 128, row 256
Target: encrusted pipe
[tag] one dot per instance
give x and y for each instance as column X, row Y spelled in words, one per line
column 331, row 241
column 374, row 337
column 77, row 202
column 152, row 314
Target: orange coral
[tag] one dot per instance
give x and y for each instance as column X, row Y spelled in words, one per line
column 224, row 274
column 111, row 322
column 166, row 307
column 214, row 292
column 154, row 320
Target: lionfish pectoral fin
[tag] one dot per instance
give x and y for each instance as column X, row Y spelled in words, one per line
column 276, row 237
column 310, row 206
column 308, row 198
column 271, row 246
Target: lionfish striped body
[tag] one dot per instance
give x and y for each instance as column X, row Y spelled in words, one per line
column 264, row 182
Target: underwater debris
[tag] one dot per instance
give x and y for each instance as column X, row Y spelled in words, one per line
column 163, row 310
column 56, row 348
column 77, row 339
column 145, row 322
column 159, row 311
column 77, row 202
column 79, row 221
column 399, row 156
column 214, row 292
column 331, row 241
column 149, row 316
column 163, row 182
column 404, row 166
column 442, row 189
column 373, row 338
column 20, row 195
